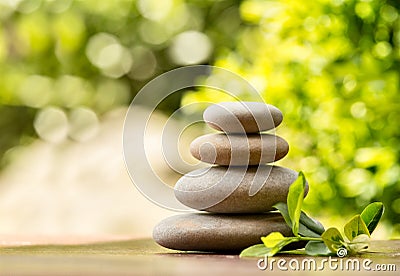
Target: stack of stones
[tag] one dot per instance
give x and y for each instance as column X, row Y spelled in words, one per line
column 239, row 192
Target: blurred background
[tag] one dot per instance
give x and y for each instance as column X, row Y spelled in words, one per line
column 69, row 69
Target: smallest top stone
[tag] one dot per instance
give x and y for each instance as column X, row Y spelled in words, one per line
column 242, row 117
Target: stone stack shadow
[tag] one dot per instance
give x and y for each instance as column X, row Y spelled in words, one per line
column 238, row 192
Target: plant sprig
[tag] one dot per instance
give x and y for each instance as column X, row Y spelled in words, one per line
column 320, row 242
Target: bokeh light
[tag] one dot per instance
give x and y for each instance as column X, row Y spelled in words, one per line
column 36, row 91
column 51, row 124
column 144, row 63
column 105, row 52
column 71, row 91
column 190, row 47
column 153, row 9
column 83, row 124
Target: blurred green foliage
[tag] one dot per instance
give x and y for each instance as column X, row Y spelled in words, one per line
column 96, row 54
column 331, row 66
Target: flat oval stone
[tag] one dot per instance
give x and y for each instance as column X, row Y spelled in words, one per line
column 235, row 189
column 242, row 117
column 239, row 149
column 213, row 233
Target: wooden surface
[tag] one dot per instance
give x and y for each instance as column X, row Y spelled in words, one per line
column 144, row 257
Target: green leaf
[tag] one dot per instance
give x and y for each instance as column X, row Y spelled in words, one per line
column 356, row 226
column 372, row 214
column 275, row 241
column 305, row 222
column 332, row 239
column 283, row 209
column 281, row 244
column 258, row 250
column 272, row 239
column 317, row 248
column 358, row 244
column 295, row 201
column 305, row 232
column 311, row 223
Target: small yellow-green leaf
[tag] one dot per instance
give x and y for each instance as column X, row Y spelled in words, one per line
column 258, row 250
column 356, row 226
column 281, row 244
column 295, row 201
column 272, row 239
column 372, row 214
column 333, row 239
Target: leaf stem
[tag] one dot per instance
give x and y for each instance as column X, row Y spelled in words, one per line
column 310, row 239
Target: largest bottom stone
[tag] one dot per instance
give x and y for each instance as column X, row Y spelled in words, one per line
column 217, row 232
